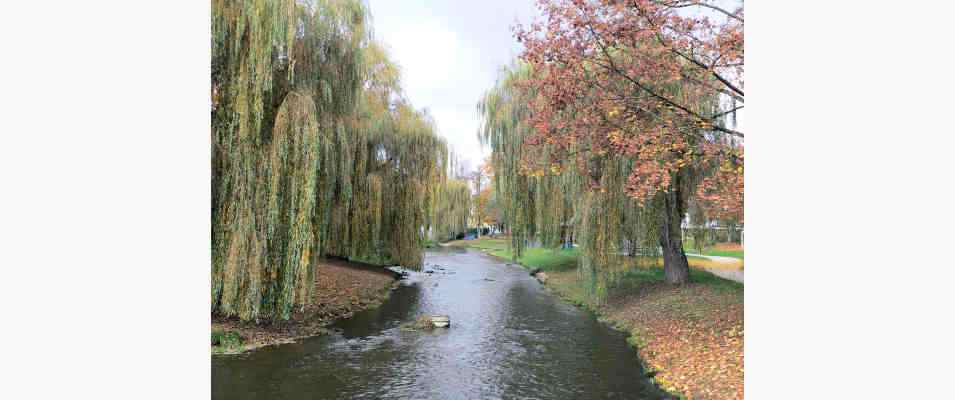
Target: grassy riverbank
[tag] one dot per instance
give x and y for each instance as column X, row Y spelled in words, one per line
column 341, row 289
column 690, row 337
column 564, row 259
column 534, row 257
column 720, row 249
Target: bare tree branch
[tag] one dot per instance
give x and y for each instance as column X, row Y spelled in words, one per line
column 693, row 60
column 701, row 4
column 726, row 112
column 613, row 68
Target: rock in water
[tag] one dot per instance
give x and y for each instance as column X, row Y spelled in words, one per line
column 440, row 321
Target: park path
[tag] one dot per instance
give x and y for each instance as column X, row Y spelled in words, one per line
column 731, row 274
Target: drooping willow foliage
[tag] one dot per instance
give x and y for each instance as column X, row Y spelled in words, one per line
column 452, row 208
column 549, row 193
column 504, row 112
column 315, row 152
column 548, row 201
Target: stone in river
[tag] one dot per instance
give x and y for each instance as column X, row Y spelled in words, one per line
column 440, row 321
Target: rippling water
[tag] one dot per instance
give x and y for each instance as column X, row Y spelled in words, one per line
column 508, row 339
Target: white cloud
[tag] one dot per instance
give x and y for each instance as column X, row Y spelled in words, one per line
column 449, row 54
column 438, row 72
column 459, row 125
column 428, row 54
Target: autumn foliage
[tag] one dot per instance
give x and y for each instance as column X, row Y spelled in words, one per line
column 619, row 118
column 648, row 79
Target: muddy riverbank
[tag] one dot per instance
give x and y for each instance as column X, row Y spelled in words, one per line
column 342, row 288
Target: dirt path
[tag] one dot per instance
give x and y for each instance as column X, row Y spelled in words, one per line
column 731, row 274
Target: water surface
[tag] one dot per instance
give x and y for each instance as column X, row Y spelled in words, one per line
column 508, row 339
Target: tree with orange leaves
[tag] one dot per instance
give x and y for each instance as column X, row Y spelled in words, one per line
column 649, row 80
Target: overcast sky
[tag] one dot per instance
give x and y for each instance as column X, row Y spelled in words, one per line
column 449, row 52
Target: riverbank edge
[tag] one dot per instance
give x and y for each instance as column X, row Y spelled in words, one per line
column 633, row 338
column 303, row 325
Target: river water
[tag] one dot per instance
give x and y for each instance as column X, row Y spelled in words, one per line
column 509, row 339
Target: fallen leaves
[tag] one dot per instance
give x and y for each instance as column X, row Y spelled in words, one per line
column 341, row 289
column 690, row 336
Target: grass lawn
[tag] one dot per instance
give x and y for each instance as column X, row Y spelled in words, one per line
column 720, row 249
column 545, row 259
column 700, row 262
column 534, row 257
column 724, row 253
column 565, row 259
column 635, row 278
column 484, row 243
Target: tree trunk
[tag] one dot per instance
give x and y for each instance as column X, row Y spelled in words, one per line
column 676, row 269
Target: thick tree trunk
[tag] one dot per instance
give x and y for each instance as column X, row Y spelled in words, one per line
column 676, row 269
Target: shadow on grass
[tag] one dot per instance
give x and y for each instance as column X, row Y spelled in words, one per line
column 636, row 278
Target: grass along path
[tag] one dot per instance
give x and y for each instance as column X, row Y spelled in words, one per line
column 486, row 243
column 690, row 336
column 562, row 259
column 545, row 259
column 534, row 257
column 733, row 250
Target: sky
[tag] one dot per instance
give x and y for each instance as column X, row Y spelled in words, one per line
column 450, row 52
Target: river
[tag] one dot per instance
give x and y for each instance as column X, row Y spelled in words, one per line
column 509, row 339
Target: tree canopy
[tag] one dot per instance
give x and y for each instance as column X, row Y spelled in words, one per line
column 613, row 125
column 315, row 152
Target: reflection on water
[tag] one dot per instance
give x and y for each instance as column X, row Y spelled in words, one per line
column 508, row 339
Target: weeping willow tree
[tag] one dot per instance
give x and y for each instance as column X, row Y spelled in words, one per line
column 538, row 195
column 315, row 152
column 451, row 210
column 546, row 199
column 580, row 187
column 394, row 163
column 250, row 160
column 612, row 225
column 503, row 113
column 399, row 167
